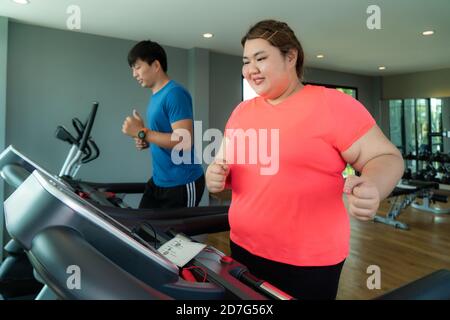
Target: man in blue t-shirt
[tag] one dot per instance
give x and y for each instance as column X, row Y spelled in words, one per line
column 178, row 179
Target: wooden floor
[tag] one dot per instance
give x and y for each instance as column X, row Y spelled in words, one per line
column 403, row 256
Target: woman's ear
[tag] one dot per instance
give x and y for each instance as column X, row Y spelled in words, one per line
column 292, row 56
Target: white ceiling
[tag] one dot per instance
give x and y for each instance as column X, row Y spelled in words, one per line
column 336, row 28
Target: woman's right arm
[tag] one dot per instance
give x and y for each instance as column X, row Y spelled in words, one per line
column 218, row 170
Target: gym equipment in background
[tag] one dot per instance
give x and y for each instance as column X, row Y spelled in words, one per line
column 406, row 193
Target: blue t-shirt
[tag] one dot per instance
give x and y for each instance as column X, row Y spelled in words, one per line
column 170, row 104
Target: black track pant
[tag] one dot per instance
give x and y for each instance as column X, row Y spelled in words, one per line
column 303, row 283
column 187, row 195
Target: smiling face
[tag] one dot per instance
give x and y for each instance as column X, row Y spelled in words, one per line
column 145, row 73
column 266, row 69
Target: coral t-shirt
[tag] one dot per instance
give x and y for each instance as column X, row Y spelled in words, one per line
column 286, row 175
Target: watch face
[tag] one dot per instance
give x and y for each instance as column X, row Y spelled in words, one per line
column 141, row 134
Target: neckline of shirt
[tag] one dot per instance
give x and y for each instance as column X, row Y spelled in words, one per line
column 286, row 101
column 163, row 88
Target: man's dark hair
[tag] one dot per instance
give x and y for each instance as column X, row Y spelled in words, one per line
column 148, row 51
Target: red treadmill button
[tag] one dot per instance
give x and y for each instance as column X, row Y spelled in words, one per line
column 226, row 259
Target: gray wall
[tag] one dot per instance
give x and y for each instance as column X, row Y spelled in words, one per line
column 428, row 84
column 3, row 61
column 55, row 75
column 199, row 89
column 225, row 87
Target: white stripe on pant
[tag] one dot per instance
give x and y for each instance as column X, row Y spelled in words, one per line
column 190, row 187
column 194, row 198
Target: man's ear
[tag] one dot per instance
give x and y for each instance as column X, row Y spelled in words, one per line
column 157, row 65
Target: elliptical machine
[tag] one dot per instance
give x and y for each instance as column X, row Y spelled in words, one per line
column 84, row 150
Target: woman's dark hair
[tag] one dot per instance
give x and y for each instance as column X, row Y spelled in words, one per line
column 148, row 51
column 279, row 35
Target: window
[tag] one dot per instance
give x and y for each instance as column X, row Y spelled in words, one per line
column 423, row 125
column 437, row 143
column 410, row 145
column 349, row 91
column 416, row 129
column 396, row 122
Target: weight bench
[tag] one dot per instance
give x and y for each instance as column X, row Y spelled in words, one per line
column 404, row 194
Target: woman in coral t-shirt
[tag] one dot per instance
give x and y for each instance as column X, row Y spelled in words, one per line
column 283, row 155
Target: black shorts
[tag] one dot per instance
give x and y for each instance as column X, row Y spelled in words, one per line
column 186, row 195
column 303, row 283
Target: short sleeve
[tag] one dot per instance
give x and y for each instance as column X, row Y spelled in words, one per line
column 351, row 119
column 178, row 105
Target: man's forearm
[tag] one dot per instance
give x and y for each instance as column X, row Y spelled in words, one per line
column 165, row 140
column 385, row 171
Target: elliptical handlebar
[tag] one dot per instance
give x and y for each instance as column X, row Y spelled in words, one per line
column 62, row 134
column 79, row 127
column 91, row 146
column 84, row 149
column 91, row 150
column 88, row 127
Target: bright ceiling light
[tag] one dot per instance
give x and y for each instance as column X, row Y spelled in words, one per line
column 208, row 35
column 428, row 33
column 320, row 56
column 382, row 68
column 21, row 1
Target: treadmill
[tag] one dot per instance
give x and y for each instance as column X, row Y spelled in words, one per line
column 58, row 229
column 62, row 231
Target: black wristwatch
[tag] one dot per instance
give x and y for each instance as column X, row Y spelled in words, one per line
column 141, row 134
